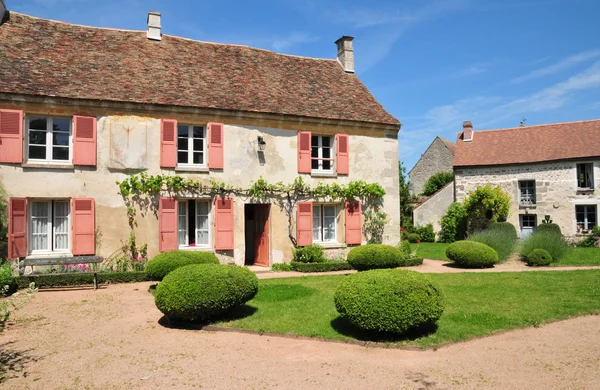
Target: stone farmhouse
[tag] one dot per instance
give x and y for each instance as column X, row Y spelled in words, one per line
column 548, row 170
column 82, row 108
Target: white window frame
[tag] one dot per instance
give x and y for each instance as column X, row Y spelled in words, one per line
column 523, row 201
column 51, row 235
column 320, row 153
column 190, row 147
column 49, row 141
column 187, row 216
column 585, row 217
column 591, row 166
column 321, row 227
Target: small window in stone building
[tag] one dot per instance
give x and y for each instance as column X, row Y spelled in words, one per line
column 527, row 192
column 586, row 218
column 585, row 176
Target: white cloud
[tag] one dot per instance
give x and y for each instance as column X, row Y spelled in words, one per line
column 559, row 66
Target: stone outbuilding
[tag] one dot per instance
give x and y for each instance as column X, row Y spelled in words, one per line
column 437, row 158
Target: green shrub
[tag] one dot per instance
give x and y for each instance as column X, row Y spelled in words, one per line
column 471, row 254
column 162, row 264
column 436, row 182
column 374, row 256
column 454, row 223
column 506, row 227
column 502, row 240
column 326, row 266
column 309, row 254
column 539, row 257
column 80, row 279
column 413, row 237
column 588, row 242
column 426, row 233
column 7, row 280
column 485, row 205
column 405, row 247
column 281, row 267
column 389, row 300
column 199, row 292
column 549, row 227
column 547, row 240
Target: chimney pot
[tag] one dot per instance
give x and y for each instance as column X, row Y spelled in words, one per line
column 345, row 53
column 154, row 26
column 467, row 131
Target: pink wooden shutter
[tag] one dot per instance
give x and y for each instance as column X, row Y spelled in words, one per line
column 224, row 223
column 17, row 236
column 304, row 152
column 353, row 223
column 304, row 221
column 84, row 140
column 11, row 136
column 168, row 143
column 83, row 226
column 215, row 146
column 342, row 154
column 167, row 224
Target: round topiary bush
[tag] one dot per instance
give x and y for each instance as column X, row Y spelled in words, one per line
column 413, row 237
column 471, row 254
column 199, row 292
column 539, row 257
column 162, row 264
column 389, row 300
column 506, row 227
column 374, row 256
column 549, row 227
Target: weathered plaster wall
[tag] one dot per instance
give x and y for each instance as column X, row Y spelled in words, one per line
column 373, row 158
column 434, row 208
column 437, row 158
column 556, row 189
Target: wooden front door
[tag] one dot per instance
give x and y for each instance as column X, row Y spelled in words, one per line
column 261, row 235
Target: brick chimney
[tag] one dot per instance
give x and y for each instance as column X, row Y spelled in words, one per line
column 345, row 53
column 154, row 26
column 467, row 131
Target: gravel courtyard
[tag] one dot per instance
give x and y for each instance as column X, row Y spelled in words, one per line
column 113, row 339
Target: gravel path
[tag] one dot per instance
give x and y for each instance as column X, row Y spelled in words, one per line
column 113, row 339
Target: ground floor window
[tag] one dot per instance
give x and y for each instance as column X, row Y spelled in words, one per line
column 49, row 225
column 586, row 218
column 193, row 223
column 324, row 223
column 528, row 221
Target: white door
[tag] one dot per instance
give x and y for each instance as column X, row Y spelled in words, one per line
column 528, row 224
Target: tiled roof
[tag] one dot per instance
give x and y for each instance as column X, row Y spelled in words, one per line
column 449, row 144
column 530, row 144
column 49, row 58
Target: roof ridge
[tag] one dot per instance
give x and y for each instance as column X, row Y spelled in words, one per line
column 540, row 125
column 76, row 24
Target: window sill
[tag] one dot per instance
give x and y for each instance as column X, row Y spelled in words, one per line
column 323, row 174
column 527, row 206
column 329, row 244
column 187, row 168
column 583, row 191
column 48, row 254
column 196, row 248
column 47, row 165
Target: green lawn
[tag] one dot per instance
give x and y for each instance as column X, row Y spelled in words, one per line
column 430, row 250
column 476, row 304
column 580, row 256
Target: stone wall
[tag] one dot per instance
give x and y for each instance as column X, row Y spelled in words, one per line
column 432, row 210
column 437, row 158
column 556, row 189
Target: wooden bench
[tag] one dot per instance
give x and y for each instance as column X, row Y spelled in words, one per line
column 35, row 261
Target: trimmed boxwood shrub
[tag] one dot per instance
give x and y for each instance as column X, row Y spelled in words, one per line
column 374, row 256
column 162, row 264
column 413, row 237
column 471, row 254
column 199, row 292
column 320, row 267
column 539, row 257
column 80, row 279
column 549, row 227
column 505, row 227
column 309, row 254
column 389, row 300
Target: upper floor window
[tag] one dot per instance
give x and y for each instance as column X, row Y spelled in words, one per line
column 191, row 145
column 527, row 192
column 49, row 139
column 322, row 153
column 49, row 226
column 585, row 176
column 324, row 223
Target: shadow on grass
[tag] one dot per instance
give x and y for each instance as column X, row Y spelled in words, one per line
column 343, row 326
column 457, row 266
column 237, row 313
column 13, row 362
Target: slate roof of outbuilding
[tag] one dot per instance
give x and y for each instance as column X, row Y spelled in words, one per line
column 49, row 58
column 530, row 144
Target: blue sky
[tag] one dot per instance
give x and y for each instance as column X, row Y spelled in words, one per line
column 432, row 63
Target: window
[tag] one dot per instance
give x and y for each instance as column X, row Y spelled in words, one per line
column 585, row 176
column 527, row 192
column 193, row 227
column 528, row 221
column 321, row 153
column 324, row 223
column 191, row 145
column 586, row 218
column 49, row 139
column 49, row 226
